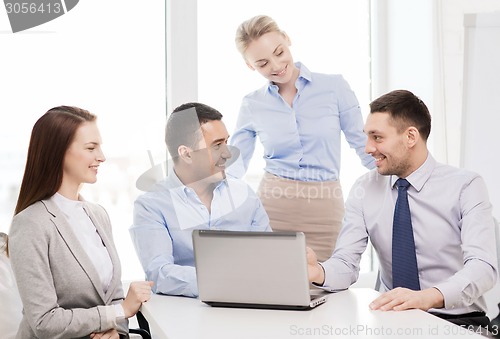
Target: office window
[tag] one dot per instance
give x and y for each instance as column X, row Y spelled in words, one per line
column 107, row 57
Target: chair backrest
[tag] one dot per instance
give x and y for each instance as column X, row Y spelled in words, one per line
column 11, row 314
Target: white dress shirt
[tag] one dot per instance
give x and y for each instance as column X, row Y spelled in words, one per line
column 453, row 229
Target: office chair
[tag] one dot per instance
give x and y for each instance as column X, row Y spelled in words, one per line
column 143, row 329
column 140, row 332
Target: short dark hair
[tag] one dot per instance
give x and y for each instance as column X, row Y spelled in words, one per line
column 405, row 109
column 184, row 123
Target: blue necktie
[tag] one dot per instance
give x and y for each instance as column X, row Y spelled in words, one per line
column 404, row 259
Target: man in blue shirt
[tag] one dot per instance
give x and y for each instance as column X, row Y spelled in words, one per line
column 453, row 230
column 195, row 195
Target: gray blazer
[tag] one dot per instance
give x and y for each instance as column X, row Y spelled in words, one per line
column 59, row 286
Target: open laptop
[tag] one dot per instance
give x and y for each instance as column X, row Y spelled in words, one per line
column 254, row 270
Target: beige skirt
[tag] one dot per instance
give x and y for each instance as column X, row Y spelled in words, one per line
column 313, row 207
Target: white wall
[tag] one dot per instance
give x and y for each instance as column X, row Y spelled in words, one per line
column 481, row 100
column 452, row 54
column 419, row 45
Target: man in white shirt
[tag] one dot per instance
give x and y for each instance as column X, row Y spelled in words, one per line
column 451, row 216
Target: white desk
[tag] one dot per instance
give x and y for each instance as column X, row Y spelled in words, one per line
column 344, row 315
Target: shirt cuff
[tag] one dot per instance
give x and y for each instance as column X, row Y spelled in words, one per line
column 324, row 276
column 107, row 315
column 119, row 312
column 451, row 294
column 322, row 286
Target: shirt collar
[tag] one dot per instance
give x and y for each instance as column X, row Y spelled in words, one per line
column 68, row 207
column 418, row 178
column 305, row 76
column 66, row 203
column 175, row 184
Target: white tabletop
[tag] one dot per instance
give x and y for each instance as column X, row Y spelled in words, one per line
column 344, row 315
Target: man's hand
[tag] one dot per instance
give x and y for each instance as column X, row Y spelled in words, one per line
column 400, row 299
column 314, row 269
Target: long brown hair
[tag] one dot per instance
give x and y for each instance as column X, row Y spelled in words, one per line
column 51, row 136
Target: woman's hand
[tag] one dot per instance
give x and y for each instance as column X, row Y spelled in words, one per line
column 138, row 292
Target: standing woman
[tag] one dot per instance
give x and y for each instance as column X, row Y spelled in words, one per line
column 298, row 116
column 61, row 246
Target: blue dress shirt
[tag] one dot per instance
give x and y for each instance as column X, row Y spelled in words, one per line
column 165, row 217
column 301, row 142
column 453, row 228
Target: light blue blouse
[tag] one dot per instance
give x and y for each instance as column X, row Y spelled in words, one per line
column 301, row 142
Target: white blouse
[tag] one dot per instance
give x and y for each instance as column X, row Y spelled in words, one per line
column 86, row 232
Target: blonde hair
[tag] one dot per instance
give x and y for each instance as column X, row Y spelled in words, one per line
column 252, row 29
